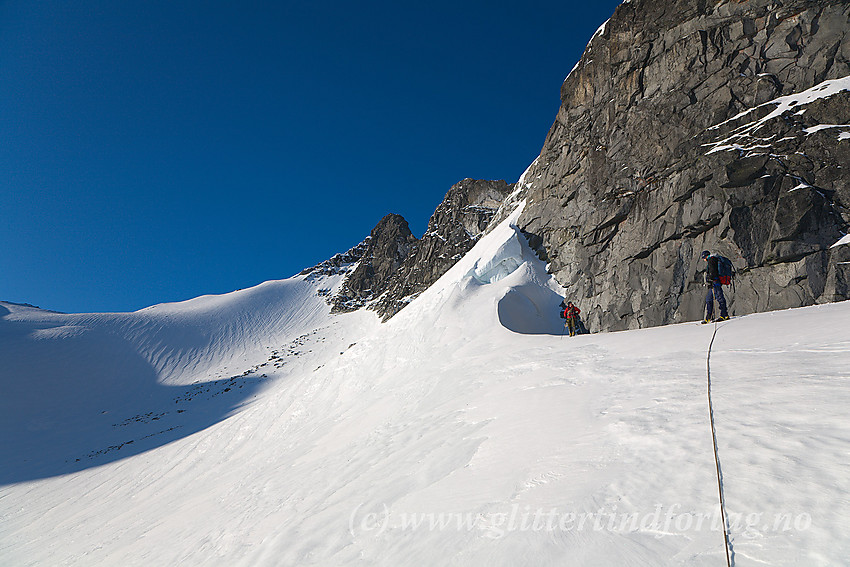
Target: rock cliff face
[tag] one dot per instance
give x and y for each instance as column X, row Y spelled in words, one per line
column 391, row 267
column 691, row 125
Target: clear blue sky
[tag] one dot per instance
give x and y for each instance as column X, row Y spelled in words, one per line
column 155, row 150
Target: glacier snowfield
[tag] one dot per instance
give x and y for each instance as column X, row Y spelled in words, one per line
column 255, row 428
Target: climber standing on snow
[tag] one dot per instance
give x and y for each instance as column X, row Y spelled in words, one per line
column 715, row 288
column 570, row 313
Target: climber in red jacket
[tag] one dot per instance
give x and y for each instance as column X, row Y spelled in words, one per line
column 570, row 313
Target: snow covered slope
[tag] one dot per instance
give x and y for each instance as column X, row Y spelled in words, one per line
column 464, row 431
column 81, row 390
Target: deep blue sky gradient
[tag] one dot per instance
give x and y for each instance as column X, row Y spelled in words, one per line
column 156, row 150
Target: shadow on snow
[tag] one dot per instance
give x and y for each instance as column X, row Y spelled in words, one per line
column 75, row 398
column 531, row 309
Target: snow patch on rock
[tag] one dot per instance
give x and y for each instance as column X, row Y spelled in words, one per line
column 742, row 138
column 844, row 240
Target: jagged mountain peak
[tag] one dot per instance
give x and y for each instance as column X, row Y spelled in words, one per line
column 393, row 266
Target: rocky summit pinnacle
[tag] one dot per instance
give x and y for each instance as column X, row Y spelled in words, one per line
column 387, row 247
column 393, row 266
column 454, row 228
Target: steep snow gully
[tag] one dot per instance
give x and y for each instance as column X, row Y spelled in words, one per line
column 255, row 428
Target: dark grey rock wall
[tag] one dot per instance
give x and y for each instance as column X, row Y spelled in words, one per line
column 648, row 162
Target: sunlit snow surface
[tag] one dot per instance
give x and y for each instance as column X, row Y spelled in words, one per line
column 842, row 241
column 464, row 431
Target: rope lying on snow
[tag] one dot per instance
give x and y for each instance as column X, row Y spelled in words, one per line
column 716, row 458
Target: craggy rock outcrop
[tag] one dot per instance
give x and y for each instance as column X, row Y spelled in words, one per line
column 453, row 229
column 387, row 247
column 391, row 267
column 691, row 125
column 338, row 263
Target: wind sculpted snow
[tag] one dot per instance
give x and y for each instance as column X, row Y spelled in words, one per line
column 75, row 396
column 83, row 390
